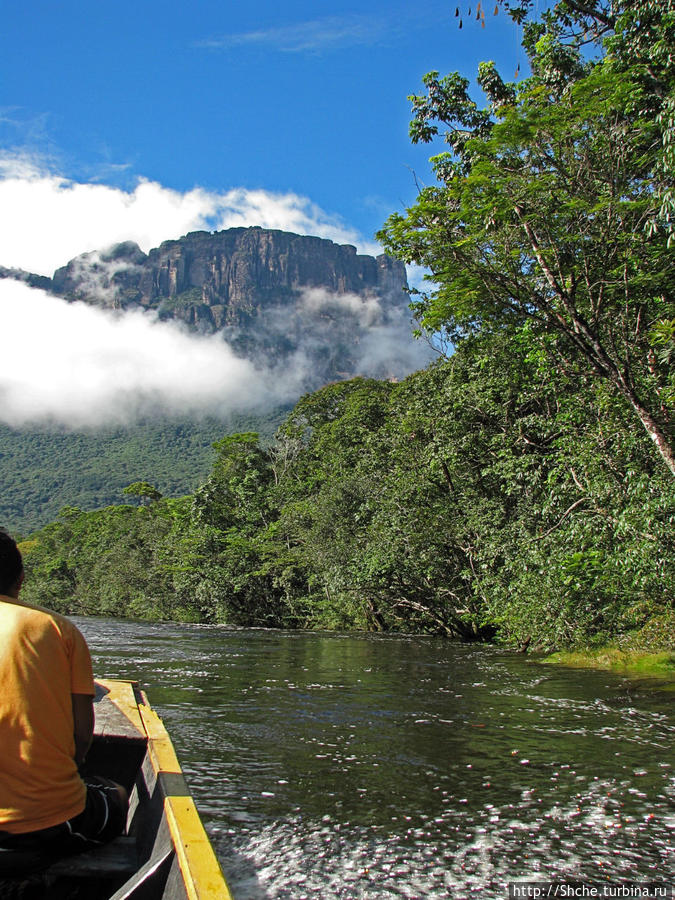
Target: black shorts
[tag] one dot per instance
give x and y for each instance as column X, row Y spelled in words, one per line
column 102, row 819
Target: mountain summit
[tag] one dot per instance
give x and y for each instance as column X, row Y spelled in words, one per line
column 211, row 280
column 277, row 298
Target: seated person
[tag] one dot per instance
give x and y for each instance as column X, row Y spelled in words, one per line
column 46, row 727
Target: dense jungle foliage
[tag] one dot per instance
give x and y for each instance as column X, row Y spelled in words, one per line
column 522, row 488
column 476, row 498
column 45, row 469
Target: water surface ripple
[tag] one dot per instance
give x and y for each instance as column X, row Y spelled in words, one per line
column 352, row 766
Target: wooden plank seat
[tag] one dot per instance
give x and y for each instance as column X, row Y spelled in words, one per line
column 118, row 858
column 36, row 877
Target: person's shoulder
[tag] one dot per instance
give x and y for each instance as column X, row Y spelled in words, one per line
column 36, row 613
column 20, row 606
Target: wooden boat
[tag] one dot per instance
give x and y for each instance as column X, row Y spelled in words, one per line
column 166, row 854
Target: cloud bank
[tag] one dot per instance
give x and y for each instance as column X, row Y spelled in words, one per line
column 78, row 366
column 47, row 219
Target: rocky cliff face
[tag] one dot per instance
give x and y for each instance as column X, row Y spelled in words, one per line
column 216, row 280
column 286, row 301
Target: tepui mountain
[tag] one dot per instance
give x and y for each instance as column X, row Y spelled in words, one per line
column 274, row 296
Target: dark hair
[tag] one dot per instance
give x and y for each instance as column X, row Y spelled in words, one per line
column 11, row 564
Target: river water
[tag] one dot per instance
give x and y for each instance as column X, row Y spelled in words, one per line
column 355, row 766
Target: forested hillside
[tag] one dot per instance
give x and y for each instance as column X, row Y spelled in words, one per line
column 44, row 469
column 523, row 488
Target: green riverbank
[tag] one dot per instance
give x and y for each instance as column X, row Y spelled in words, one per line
column 630, row 662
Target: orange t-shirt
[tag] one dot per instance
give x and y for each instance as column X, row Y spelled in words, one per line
column 43, row 660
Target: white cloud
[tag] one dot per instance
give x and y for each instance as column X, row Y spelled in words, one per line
column 367, row 310
column 287, row 212
column 78, row 366
column 47, row 219
column 331, row 32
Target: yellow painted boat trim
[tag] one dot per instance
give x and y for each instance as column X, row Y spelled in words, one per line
column 202, row 875
column 198, row 864
column 160, row 748
column 200, row 869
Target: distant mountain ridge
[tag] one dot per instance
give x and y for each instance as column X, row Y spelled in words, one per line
column 274, row 296
column 215, row 279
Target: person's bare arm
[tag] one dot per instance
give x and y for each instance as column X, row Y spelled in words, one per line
column 83, row 724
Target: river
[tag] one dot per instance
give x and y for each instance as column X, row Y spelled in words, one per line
column 355, row 766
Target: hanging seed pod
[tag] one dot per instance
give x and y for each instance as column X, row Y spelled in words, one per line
column 457, row 12
column 496, row 8
column 477, row 16
column 517, row 71
column 460, row 24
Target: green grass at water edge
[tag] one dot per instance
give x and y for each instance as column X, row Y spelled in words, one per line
column 660, row 664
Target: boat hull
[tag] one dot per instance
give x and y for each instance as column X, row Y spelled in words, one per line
column 166, row 854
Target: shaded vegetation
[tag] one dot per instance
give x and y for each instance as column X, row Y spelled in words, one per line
column 44, row 469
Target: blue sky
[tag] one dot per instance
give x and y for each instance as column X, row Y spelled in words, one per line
column 302, row 98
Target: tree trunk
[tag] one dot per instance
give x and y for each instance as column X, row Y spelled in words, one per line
column 653, row 429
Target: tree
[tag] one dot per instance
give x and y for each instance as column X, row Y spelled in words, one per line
column 231, row 512
column 328, row 484
column 546, row 213
column 144, row 490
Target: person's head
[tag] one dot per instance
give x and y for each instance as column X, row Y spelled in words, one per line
column 11, row 566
